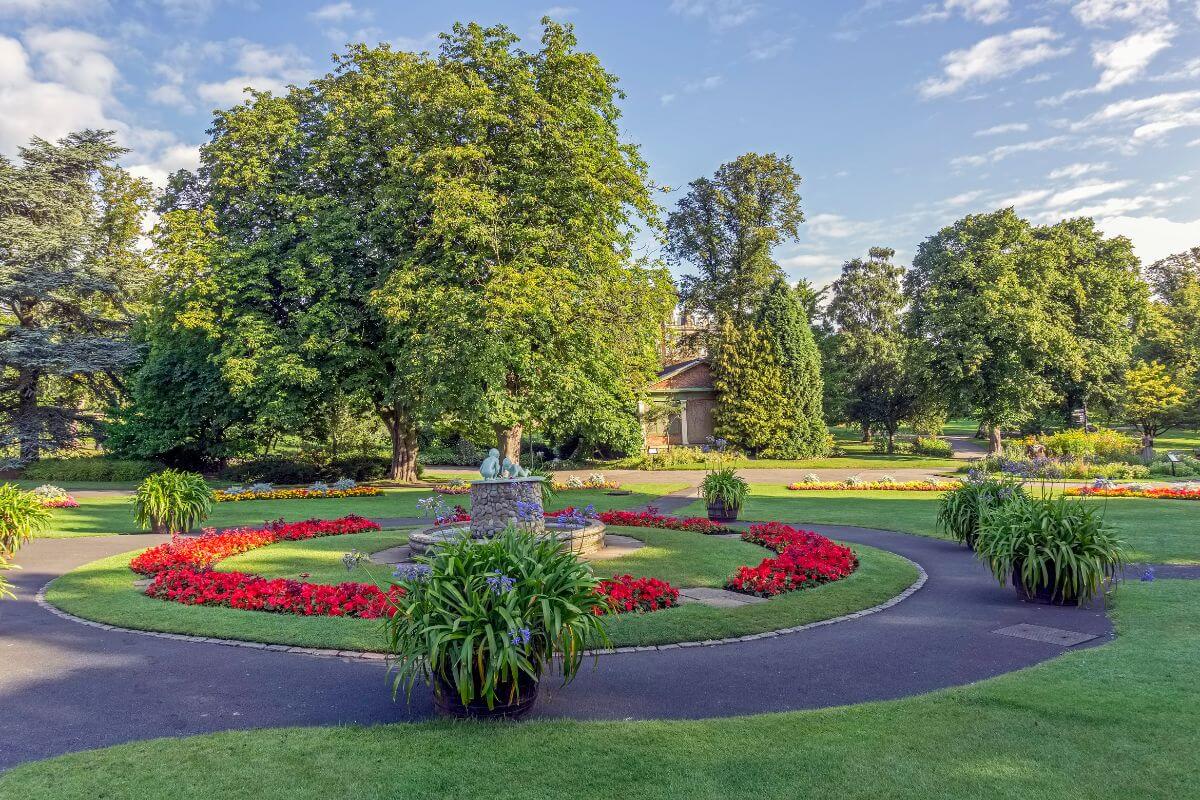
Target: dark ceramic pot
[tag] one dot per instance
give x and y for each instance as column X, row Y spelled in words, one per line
column 719, row 512
column 447, row 702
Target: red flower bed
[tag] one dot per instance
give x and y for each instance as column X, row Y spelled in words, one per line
column 648, row 519
column 626, row 593
column 279, row 595
column 209, row 548
column 1153, row 492
column 805, row 559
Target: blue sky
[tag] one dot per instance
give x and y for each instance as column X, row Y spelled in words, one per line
column 901, row 115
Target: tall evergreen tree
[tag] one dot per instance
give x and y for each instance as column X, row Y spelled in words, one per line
column 70, row 277
column 753, row 408
column 783, row 320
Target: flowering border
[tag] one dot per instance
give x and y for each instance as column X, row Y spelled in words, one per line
column 222, row 496
column 886, row 486
column 650, row 518
column 1151, row 493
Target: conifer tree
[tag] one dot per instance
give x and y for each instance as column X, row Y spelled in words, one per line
column 752, row 407
column 783, row 321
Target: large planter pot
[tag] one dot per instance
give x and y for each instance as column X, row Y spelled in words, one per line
column 1042, row 594
column 719, row 512
column 447, row 702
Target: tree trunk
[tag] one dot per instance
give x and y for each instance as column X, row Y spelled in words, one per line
column 995, row 441
column 866, row 432
column 891, row 442
column 28, row 423
column 509, row 442
column 403, row 434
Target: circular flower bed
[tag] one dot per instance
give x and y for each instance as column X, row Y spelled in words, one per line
column 54, row 497
column 805, row 559
column 626, row 593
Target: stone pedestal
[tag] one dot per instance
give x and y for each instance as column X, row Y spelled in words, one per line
column 494, row 505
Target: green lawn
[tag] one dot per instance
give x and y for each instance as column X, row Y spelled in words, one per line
column 104, row 591
column 1166, row 531
column 1102, row 724
column 114, row 514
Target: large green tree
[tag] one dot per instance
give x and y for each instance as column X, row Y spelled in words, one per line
column 726, row 227
column 753, row 408
column 783, row 320
column 870, row 343
column 1096, row 294
column 445, row 238
column 985, row 328
column 71, row 276
column 1171, row 333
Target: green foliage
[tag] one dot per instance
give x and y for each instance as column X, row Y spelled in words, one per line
column 725, row 486
column 668, row 457
column 1115, row 470
column 1078, row 444
column 1152, row 399
column 22, row 514
column 985, row 330
column 727, row 225
column 752, row 406
column 1059, row 544
column 783, row 320
column 463, row 619
column 72, row 276
column 875, row 388
column 306, row 469
column 961, row 510
column 172, row 501
column 89, row 468
column 932, row 446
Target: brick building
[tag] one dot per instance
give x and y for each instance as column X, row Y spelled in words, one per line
column 681, row 404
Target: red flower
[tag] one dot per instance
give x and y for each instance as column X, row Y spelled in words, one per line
column 805, row 559
column 625, row 593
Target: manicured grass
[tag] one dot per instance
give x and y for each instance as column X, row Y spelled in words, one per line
column 104, row 591
column 1107, row 723
column 1164, row 531
column 114, row 514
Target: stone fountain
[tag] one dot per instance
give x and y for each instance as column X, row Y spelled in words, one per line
column 504, row 497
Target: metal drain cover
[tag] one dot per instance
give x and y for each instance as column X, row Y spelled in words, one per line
column 1040, row 633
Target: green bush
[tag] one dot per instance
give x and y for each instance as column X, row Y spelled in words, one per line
column 1115, row 470
column 1058, row 544
column 1188, row 467
column 899, row 446
column 680, row 456
column 22, row 514
column 172, row 501
column 487, row 616
column 960, row 510
column 1102, row 444
column 932, row 446
column 90, row 468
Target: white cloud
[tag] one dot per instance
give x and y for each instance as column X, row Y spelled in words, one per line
column 986, row 11
column 1149, row 117
column 1004, row 151
column 42, row 9
column 834, row 226
column 770, row 45
column 1126, row 59
column 1153, row 237
column 992, row 58
column 1076, row 170
column 720, row 14
column 667, row 98
column 1009, row 127
column 704, row 84
column 961, row 199
column 169, row 94
column 558, row 13
column 170, row 159
column 1097, row 13
column 335, row 12
column 1027, row 198
column 261, row 68
column 1085, row 191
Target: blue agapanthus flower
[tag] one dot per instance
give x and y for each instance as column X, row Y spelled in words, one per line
column 411, row 572
column 1148, row 575
column 499, row 584
column 521, row 636
column 528, row 511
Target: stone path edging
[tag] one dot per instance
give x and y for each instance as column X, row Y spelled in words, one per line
column 922, row 577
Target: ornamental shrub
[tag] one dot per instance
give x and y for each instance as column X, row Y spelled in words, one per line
column 22, row 514
column 1103, row 444
column 932, row 446
column 960, row 510
column 89, row 468
column 1058, row 544
column 172, row 501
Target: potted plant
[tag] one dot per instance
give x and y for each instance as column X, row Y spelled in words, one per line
column 959, row 509
column 1054, row 550
column 172, row 501
column 481, row 620
column 724, row 493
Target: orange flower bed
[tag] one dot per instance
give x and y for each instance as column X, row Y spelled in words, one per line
column 297, row 494
column 906, row 486
column 1153, row 493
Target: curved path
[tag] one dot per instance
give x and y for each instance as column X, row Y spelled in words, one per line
column 66, row 686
